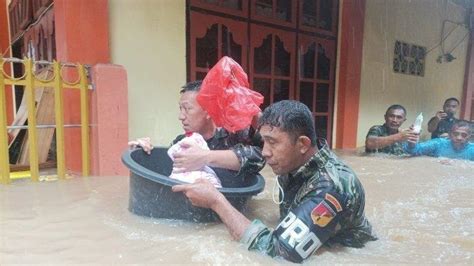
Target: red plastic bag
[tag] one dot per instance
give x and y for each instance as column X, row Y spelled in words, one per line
column 226, row 96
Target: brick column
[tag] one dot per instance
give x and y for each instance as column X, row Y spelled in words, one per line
column 350, row 65
column 82, row 35
column 109, row 120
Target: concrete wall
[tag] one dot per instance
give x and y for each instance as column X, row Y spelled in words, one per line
column 418, row 22
column 148, row 37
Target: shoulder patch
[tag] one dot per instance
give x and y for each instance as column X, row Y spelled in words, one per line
column 333, row 201
column 322, row 214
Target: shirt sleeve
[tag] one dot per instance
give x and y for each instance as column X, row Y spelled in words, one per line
column 250, row 158
column 249, row 152
column 300, row 233
column 424, row 148
column 373, row 132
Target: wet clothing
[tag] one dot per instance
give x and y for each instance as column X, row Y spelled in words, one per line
column 444, row 126
column 396, row 148
column 323, row 202
column 442, row 147
column 246, row 144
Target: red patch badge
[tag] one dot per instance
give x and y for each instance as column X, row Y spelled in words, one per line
column 333, row 201
column 322, row 214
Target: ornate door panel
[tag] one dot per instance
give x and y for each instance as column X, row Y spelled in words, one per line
column 213, row 37
column 272, row 63
column 287, row 48
column 315, row 84
column 231, row 7
column 278, row 12
column 318, row 16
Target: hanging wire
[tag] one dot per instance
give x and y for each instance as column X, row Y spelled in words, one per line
column 456, row 46
column 445, row 37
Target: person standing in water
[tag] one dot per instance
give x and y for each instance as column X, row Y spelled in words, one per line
column 321, row 198
column 456, row 146
column 239, row 152
column 440, row 124
column 388, row 138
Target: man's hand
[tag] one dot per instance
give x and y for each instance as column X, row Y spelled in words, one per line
column 191, row 158
column 201, row 193
column 441, row 115
column 144, row 143
column 408, row 135
column 412, row 138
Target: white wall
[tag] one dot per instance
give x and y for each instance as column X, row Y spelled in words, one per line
column 418, row 22
column 148, row 37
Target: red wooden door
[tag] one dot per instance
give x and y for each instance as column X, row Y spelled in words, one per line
column 213, row 37
column 287, row 48
column 272, row 63
column 315, row 84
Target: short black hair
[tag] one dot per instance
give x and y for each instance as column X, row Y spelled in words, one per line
column 191, row 86
column 290, row 116
column 396, row 107
column 452, row 99
column 461, row 123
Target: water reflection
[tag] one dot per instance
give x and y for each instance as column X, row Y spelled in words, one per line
column 421, row 209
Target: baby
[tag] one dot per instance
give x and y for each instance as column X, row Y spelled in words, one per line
column 206, row 172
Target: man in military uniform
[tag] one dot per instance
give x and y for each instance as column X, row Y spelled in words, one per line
column 388, row 138
column 239, row 152
column 322, row 199
column 440, row 124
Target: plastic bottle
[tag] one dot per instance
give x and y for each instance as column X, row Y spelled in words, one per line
column 417, row 124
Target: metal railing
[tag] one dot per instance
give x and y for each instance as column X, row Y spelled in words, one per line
column 30, row 81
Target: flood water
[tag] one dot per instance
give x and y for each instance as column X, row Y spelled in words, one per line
column 422, row 210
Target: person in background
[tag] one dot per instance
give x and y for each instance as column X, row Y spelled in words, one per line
column 321, row 198
column 239, row 152
column 456, row 146
column 388, row 138
column 440, row 124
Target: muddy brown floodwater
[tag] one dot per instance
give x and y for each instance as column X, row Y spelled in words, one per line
column 422, row 210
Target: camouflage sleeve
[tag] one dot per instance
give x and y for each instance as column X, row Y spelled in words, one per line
column 374, row 132
column 249, row 152
column 250, row 158
column 301, row 232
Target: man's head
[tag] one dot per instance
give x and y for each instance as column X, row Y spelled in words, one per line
column 287, row 128
column 395, row 116
column 450, row 106
column 460, row 134
column 192, row 116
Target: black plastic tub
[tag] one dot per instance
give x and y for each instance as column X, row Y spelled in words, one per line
column 151, row 194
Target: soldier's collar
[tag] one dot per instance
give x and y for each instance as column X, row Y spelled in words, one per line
column 220, row 133
column 318, row 160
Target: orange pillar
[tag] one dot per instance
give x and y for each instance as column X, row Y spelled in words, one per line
column 109, row 120
column 82, row 35
column 467, row 105
column 350, row 65
column 5, row 52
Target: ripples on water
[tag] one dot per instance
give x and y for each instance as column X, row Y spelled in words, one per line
column 421, row 208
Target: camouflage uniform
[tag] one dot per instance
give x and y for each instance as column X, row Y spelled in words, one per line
column 323, row 203
column 247, row 146
column 397, row 148
column 444, row 126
